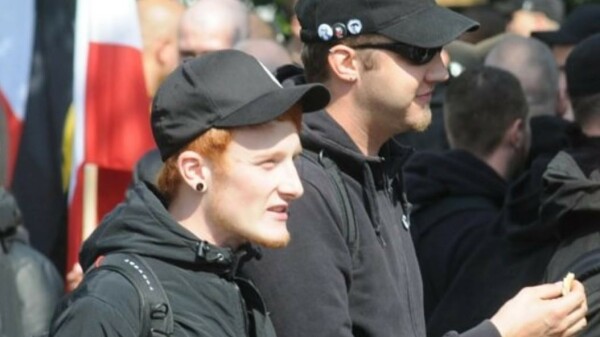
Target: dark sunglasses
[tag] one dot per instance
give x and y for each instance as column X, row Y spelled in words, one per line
column 415, row 55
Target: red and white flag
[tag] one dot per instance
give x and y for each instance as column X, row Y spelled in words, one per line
column 17, row 26
column 112, row 121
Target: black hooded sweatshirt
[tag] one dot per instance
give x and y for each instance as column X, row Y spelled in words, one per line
column 198, row 278
column 512, row 253
column 456, row 198
column 572, row 203
column 314, row 287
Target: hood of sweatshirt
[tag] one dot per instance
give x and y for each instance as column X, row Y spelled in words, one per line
column 431, row 176
column 142, row 225
column 320, row 132
column 571, row 195
column 537, row 197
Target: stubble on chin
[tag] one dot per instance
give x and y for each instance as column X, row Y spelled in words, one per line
column 422, row 122
column 271, row 243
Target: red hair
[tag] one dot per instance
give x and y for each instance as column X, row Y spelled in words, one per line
column 211, row 145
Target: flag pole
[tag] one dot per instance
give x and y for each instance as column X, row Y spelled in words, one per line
column 90, row 199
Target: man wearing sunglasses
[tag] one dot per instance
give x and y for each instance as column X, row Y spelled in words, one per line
column 381, row 60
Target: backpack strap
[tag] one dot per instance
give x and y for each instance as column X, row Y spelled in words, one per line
column 157, row 317
column 583, row 266
column 349, row 227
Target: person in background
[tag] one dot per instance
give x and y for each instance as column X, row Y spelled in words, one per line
column 210, row 25
column 493, row 22
column 573, row 180
column 533, row 64
column 535, row 16
column 381, row 61
column 159, row 21
column 294, row 43
column 582, row 22
column 458, row 194
column 30, row 286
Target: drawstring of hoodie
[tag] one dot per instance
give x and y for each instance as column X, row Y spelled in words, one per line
column 229, row 260
column 244, row 254
column 371, row 203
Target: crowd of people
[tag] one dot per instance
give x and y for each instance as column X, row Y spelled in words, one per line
column 418, row 171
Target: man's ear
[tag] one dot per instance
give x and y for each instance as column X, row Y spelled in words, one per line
column 562, row 103
column 343, row 63
column 163, row 48
column 517, row 134
column 194, row 168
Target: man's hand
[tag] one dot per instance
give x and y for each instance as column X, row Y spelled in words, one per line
column 542, row 311
column 74, row 277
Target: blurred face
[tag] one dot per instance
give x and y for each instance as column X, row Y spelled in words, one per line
column 561, row 52
column 522, row 23
column 196, row 40
column 399, row 92
column 171, row 56
column 249, row 198
column 521, row 154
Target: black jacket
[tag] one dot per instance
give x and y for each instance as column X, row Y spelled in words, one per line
column 572, row 202
column 313, row 287
column 199, row 283
column 549, row 134
column 456, row 198
column 30, row 286
column 511, row 254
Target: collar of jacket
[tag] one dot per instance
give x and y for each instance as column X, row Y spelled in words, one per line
column 225, row 261
column 321, row 132
column 568, row 190
column 10, row 221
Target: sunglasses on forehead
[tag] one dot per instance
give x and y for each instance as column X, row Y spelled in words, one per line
column 415, row 55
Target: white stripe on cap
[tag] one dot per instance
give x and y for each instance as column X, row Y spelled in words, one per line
column 270, row 74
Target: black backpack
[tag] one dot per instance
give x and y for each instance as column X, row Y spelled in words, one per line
column 10, row 305
column 584, row 266
column 349, row 228
column 157, row 316
column 11, row 321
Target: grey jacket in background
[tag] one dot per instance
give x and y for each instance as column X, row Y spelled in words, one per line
column 30, row 286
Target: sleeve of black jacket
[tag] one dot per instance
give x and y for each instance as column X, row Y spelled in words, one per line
column 484, row 329
column 308, row 280
column 104, row 306
column 40, row 288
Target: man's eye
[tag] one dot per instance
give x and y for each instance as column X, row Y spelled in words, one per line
column 268, row 163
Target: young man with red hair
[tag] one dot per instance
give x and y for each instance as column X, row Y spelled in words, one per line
column 228, row 133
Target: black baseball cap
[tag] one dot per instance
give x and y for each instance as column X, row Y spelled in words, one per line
column 222, row 89
column 582, row 22
column 420, row 23
column 583, row 68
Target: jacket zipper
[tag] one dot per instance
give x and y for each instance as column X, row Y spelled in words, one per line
column 243, row 307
